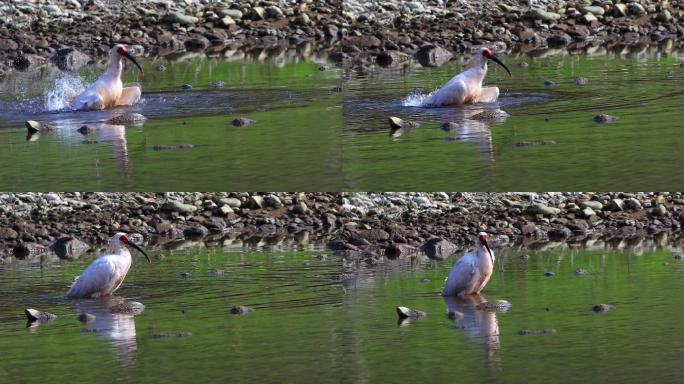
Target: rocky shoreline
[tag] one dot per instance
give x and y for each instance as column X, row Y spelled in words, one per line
column 391, row 32
column 368, row 225
column 71, row 33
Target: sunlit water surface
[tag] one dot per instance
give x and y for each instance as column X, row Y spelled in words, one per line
column 310, row 327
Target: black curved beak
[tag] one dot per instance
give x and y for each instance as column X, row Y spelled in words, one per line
column 484, row 242
column 131, row 58
column 136, row 246
column 510, row 75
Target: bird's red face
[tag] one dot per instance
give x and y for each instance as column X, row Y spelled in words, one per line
column 487, row 53
column 483, row 237
column 121, row 50
column 124, row 239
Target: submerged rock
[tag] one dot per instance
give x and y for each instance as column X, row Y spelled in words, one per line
column 529, row 143
column 36, row 315
column 240, row 310
column 216, row 272
column 399, row 126
column 242, row 122
column 599, row 308
column 409, row 313
column 165, row 147
column 549, row 274
column 86, row 129
column 161, row 335
column 127, row 119
column 496, row 305
column 546, row 331
column 580, row 272
column 492, row 115
column 605, row 119
column 581, row 81
column 217, row 84
column 455, row 315
column 127, row 308
column 392, row 58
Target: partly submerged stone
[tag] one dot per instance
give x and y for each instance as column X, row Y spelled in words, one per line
column 605, row 119
column 409, row 313
column 496, row 305
column 127, row 119
column 34, row 126
column 242, row 122
column 546, row 331
column 36, row 315
column 240, row 310
column 127, row 308
column 599, row 308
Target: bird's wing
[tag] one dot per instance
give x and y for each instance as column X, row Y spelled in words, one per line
column 460, row 276
column 97, row 276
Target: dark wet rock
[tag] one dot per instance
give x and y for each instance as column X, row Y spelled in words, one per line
column 217, row 84
column 547, row 331
column 433, row 55
column 127, row 119
column 242, row 122
column 70, row 59
column 559, row 39
column 185, row 275
column 86, row 129
column 491, row 115
column 496, row 305
column 186, row 87
column 197, row 43
column 127, row 308
column 69, row 248
column 455, row 315
column 86, row 317
column 216, row 272
column 580, row 272
column 605, row 119
column 549, row 83
column 549, row 274
column 530, row 143
column 163, row 335
column 397, row 250
column 28, row 62
column 167, row 147
column 678, row 257
column 439, row 248
column 196, row 232
column 240, row 310
column 36, row 315
column 599, row 308
column 581, row 81
column 409, row 313
column 34, row 127
column 392, row 59
column 28, row 251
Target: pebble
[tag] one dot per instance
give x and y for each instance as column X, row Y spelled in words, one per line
column 127, row 119
column 127, row 307
column 185, row 275
column 580, row 272
column 217, row 84
column 86, row 317
column 534, row 143
column 161, row 335
column 86, row 129
column 409, row 313
column 581, row 81
column 242, row 122
column 605, row 119
column 549, row 83
column 599, row 308
column 216, row 272
column 186, row 87
column 496, row 305
column 549, row 274
column 36, row 315
column 240, row 310
column 547, row 331
column 166, row 147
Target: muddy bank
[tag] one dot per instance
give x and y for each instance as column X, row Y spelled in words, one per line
column 392, row 32
column 71, row 33
column 368, row 224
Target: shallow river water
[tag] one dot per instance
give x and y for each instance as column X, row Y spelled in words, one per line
column 294, row 143
column 640, row 151
column 310, row 327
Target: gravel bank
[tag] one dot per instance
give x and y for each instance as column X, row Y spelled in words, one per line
column 355, row 224
column 32, row 32
column 391, row 32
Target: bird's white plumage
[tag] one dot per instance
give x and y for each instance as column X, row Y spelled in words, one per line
column 471, row 272
column 466, row 87
column 104, row 275
column 108, row 91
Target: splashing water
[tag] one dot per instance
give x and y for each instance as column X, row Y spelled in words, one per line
column 66, row 88
column 414, row 99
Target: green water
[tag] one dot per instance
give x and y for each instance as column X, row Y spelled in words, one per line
column 641, row 151
column 308, row 327
column 293, row 145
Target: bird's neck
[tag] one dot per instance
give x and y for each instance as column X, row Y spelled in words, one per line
column 114, row 68
column 483, row 255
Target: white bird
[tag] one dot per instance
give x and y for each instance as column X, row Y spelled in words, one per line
column 466, row 87
column 472, row 271
column 108, row 91
column 104, row 275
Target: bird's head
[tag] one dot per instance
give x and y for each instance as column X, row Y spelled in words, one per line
column 119, row 51
column 482, row 242
column 120, row 239
column 483, row 54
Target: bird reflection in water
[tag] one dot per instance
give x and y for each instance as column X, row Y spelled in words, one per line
column 473, row 124
column 114, row 321
column 476, row 322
